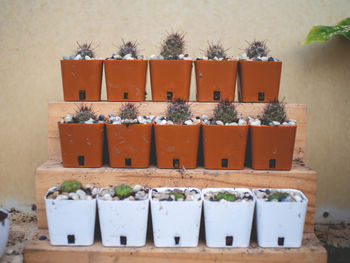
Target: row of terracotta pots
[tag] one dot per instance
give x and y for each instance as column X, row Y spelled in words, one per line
column 176, row 146
column 126, row 80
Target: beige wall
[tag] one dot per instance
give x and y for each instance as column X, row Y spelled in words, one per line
column 35, row 34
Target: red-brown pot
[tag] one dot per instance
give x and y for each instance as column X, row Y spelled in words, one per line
column 272, row 147
column 81, row 144
column 259, row 81
column 170, row 79
column 125, row 79
column 216, row 80
column 129, row 145
column 224, row 146
column 176, row 145
column 81, row 79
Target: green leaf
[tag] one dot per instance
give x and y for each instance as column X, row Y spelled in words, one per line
column 344, row 22
column 123, row 190
column 226, row 196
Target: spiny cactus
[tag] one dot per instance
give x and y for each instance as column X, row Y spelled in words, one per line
column 274, row 111
column 178, row 111
column 257, row 49
column 225, row 111
column 216, row 50
column 128, row 48
column 83, row 114
column 85, row 50
column 128, row 111
column 278, row 196
column 173, row 45
column 225, row 195
column 123, row 190
column 70, row 186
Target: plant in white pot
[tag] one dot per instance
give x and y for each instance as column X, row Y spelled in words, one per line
column 4, row 229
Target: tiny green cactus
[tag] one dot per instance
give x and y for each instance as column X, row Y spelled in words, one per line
column 178, row 111
column 173, row 45
column 83, row 114
column 257, row 49
column 225, row 111
column 123, row 190
column 128, row 111
column 216, row 50
column 70, row 186
column 225, row 195
column 128, row 48
column 278, row 196
column 274, row 111
column 85, row 50
column 178, row 195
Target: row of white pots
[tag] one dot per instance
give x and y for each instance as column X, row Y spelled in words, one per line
column 177, row 223
column 4, row 230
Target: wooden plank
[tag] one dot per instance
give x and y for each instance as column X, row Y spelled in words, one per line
column 57, row 110
column 300, row 177
column 40, row 251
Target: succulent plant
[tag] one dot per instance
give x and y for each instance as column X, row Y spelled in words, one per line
column 85, row 50
column 278, row 196
column 178, row 111
column 225, row 111
column 123, row 190
column 128, row 48
column 216, row 50
column 177, row 194
column 83, row 114
column 257, row 49
column 70, row 186
column 128, row 111
column 173, row 45
column 274, row 111
column 225, row 195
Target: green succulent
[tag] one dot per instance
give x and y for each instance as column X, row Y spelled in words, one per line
column 178, row 111
column 70, row 186
column 128, row 111
column 83, row 114
column 278, row 196
column 274, row 111
column 216, row 50
column 225, row 195
column 225, row 111
column 85, row 50
column 173, row 45
column 128, row 48
column 123, row 190
column 257, row 49
column 178, row 195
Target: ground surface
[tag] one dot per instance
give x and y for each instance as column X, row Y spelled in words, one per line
column 336, row 238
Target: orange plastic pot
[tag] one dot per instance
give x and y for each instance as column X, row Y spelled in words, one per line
column 129, row 145
column 176, row 145
column 81, row 79
column 81, row 144
column 216, row 80
column 259, row 81
column 125, row 79
column 272, row 147
column 170, row 79
column 224, row 146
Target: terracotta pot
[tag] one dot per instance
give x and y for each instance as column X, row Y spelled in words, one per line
column 81, row 79
column 216, row 80
column 170, row 79
column 176, row 145
column 81, row 144
column 125, row 79
column 129, row 145
column 224, row 146
column 272, row 147
column 259, row 81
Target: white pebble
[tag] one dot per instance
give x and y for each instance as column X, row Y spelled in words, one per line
column 276, row 123
column 204, row 117
column 163, row 122
column 127, row 56
column 107, row 197
column 219, row 123
column 87, row 57
column 181, row 56
column 242, row 122
column 68, row 118
column 169, row 122
column 153, row 57
column 77, row 57
column 188, row 122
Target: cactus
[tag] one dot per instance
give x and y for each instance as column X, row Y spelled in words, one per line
column 225, row 111
column 85, row 50
column 173, row 45
column 274, row 111
column 177, row 194
column 123, row 190
column 257, row 49
column 178, row 111
column 278, row 196
column 216, row 50
column 70, row 186
column 83, row 114
column 128, row 48
column 225, row 195
column 128, row 111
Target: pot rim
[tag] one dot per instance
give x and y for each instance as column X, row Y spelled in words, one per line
column 305, row 199
column 257, row 62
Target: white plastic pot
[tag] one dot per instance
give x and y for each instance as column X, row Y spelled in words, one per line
column 71, row 222
column 228, row 224
column 175, row 223
column 280, row 224
column 4, row 232
column 123, row 223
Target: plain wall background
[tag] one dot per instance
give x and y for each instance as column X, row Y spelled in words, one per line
column 36, row 34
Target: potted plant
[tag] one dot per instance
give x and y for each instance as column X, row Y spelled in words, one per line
column 176, row 216
column 71, row 212
column 123, row 214
column 272, row 139
column 82, row 75
column 126, row 74
column 171, row 71
column 129, row 138
column 280, row 216
column 81, row 138
column 228, row 216
column 259, row 75
column 224, row 138
column 4, row 229
column 177, row 137
column 215, row 75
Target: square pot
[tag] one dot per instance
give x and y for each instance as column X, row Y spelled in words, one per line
column 280, row 224
column 81, row 144
column 123, row 223
column 272, row 147
column 176, row 145
column 259, row 81
column 228, row 224
column 81, row 79
column 175, row 223
column 4, row 230
column 129, row 145
column 125, row 79
column 224, row 146
column 170, row 79
column 216, row 80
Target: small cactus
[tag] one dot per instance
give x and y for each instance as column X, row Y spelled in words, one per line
column 278, row 196
column 177, row 194
column 128, row 111
column 225, row 195
column 70, row 186
column 85, row 50
column 123, row 190
column 178, row 111
column 216, row 50
column 128, row 48
column 274, row 111
column 257, row 49
column 173, row 45
column 225, row 111
column 83, row 114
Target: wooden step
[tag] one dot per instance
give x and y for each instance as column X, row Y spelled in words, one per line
column 40, row 251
